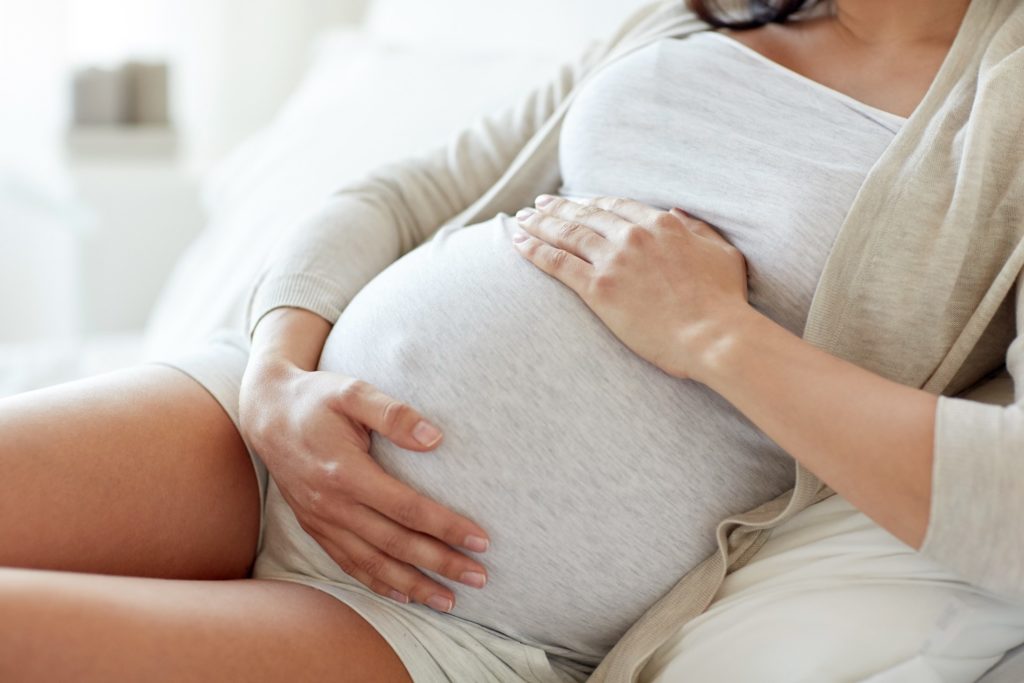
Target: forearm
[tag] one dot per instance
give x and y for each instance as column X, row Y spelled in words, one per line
column 869, row 438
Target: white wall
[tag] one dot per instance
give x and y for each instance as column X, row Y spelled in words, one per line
column 38, row 226
column 232, row 65
column 238, row 61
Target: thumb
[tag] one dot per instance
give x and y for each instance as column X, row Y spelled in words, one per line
column 387, row 416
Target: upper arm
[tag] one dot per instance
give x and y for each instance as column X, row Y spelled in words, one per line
column 322, row 261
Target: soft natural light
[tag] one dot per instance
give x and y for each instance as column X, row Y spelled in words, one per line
column 106, row 31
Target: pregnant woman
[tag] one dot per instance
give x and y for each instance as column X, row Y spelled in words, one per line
column 500, row 398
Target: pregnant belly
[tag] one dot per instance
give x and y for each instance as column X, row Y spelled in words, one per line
column 598, row 477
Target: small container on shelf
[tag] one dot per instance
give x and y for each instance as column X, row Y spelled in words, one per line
column 121, row 112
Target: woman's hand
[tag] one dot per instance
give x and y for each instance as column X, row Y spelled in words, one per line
column 664, row 282
column 312, row 429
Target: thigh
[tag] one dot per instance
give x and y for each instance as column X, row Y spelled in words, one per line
column 60, row 626
column 138, row 471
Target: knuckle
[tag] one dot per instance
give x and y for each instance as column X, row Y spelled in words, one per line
column 587, row 211
column 395, row 545
column 616, row 204
column 374, row 564
column 451, row 532
column 408, row 513
column 393, row 414
column 569, row 231
column 636, row 235
column 343, row 516
column 424, row 590
column 314, row 502
column 450, row 566
column 555, row 205
column 557, row 258
column 666, row 221
column 333, row 479
column 349, row 394
column 337, row 481
column 603, row 283
column 346, row 564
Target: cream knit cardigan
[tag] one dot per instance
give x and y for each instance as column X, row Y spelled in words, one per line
column 919, row 286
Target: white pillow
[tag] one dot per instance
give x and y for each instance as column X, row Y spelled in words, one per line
column 361, row 104
column 834, row 597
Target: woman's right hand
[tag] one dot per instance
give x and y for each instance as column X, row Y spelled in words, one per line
column 312, row 429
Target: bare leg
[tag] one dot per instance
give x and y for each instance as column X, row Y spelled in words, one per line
column 138, row 472
column 60, row 626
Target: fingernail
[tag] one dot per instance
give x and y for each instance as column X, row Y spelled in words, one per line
column 543, row 200
column 519, row 237
column 523, row 214
column 425, row 433
column 400, row 597
column 475, row 579
column 477, row 544
column 440, row 603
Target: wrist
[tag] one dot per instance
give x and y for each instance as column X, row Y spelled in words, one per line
column 287, row 338
column 716, row 344
column 269, row 368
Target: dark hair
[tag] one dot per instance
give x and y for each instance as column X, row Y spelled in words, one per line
column 758, row 12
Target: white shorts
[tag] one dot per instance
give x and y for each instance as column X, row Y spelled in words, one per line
column 433, row 646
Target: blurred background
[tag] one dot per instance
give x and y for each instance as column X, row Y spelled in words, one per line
column 153, row 151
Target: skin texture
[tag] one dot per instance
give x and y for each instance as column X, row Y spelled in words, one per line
column 89, row 628
column 896, row 48
column 140, row 472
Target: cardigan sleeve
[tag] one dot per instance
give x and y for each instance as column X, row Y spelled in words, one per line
column 329, row 255
column 976, row 525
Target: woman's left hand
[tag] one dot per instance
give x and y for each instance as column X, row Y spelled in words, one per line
column 666, row 284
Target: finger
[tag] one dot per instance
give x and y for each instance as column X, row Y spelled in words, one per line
column 572, row 236
column 376, row 489
column 631, row 210
column 405, row 578
column 387, row 416
column 415, row 548
column 601, row 221
column 376, row 585
column 698, row 226
column 347, row 564
column 568, row 268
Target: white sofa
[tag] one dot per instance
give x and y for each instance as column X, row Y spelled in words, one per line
column 372, row 94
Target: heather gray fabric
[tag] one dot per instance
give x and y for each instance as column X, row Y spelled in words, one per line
column 600, row 478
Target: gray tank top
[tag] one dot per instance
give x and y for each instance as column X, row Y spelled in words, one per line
column 599, row 478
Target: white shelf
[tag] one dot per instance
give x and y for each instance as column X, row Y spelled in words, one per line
column 121, row 142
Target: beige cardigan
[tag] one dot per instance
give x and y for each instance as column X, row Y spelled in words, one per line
column 918, row 287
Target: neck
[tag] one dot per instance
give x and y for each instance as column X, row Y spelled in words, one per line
column 884, row 23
